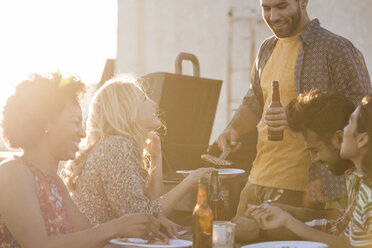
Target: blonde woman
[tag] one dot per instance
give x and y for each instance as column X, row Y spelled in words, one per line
column 43, row 119
column 112, row 175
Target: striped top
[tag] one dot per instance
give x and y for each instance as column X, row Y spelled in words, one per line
column 359, row 230
column 337, row 226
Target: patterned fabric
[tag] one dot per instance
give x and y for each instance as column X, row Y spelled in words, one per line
column 56, row 217
column 359, row 229
column 338, row 226
column 325, row 61
column 111, row 184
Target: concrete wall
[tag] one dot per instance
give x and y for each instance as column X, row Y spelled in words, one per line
column 223, row 34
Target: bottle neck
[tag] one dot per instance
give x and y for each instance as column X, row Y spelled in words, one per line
column 202, row 194
column 275, row 96
column 215, row 184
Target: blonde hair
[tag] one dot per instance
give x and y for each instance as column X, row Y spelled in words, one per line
column 113, row 111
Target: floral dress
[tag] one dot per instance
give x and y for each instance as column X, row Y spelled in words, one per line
column 111, row 184
column 56, row 217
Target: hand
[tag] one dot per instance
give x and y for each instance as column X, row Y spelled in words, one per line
column 139, row 226
column 228, row 137
column 246, row 229
column 169, row 226
column 194, row 176
column 268, row 217
column 276, row 119
column 154, row 145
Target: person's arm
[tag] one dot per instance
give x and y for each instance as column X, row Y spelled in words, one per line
column 169, row 200
column 247, row 115
column 308, row 214
column 18, row 190
column 246, row 229
column 271, row 217
column 155, row 187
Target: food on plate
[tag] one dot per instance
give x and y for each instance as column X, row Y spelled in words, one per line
column 214, row 160
column 144, row 242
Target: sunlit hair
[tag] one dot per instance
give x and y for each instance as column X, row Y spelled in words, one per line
column 322, row 112
column 113, row 111
column 36, row 101
column 364, row 124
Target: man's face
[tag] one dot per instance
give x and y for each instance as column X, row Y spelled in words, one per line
column 282, row 16
column 327, row 154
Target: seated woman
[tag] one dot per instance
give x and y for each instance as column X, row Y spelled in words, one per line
column 112, row 175
column 44, row 119
column 357, row 148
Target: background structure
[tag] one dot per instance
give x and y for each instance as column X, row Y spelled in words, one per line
column 223, row 34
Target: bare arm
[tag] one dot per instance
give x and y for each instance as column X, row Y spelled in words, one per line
column 169, row 200
column 243, row 121
column 273, row 217
column 246, row 229
column 18, row 190
column 155, row 187
column 308, row 214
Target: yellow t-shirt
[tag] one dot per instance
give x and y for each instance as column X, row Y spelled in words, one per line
column 281, row 164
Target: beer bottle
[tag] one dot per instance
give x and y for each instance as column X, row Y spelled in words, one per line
column 216, row 200
column 275, row 102
column 202, row 218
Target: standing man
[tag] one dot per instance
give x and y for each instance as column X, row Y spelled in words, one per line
column 301, row 55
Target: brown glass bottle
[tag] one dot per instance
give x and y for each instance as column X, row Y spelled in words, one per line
column 216, row 200
column 202, row 218
column 275, row 102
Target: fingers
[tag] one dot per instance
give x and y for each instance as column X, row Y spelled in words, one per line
column 158, row 234
column 153, row 135
column 276, row 119
column 250, row 209
column 170, row 228
column 276, row 110
column 261, row 216
column 276, row 126
column 275, row 114
column 222, row 141
column 228, row 137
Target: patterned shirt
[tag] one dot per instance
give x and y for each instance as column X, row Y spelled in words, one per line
column 325, row 61
column 339, row 225
column 56, row 217
column 111, row 184
column 359, row 230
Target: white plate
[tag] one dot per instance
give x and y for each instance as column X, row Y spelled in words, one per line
column 172, row 243
column 287, row 244
column 220, row 171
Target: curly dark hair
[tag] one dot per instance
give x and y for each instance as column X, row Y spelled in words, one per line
column 36, row 101
column 320, row 111
column 364, row 124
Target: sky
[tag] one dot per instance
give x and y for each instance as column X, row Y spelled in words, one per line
column 72, row 36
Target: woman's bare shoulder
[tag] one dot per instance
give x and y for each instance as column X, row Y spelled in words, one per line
column 14, row 170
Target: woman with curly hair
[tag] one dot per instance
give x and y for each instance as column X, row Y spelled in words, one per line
column 43, row 118
column 116, row 171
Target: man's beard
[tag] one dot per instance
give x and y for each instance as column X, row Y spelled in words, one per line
column 294, row 24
